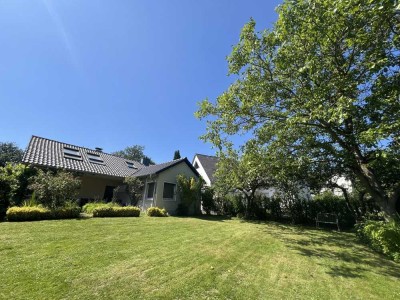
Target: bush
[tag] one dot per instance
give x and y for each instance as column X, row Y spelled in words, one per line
column 90, row 207
column 66, row 213
column 156, row 212
column 53, row 190
column 18, row 214
column 182, row 210
column 383, row 237
column 13, row 185
column 207, row 200
column 107, row 211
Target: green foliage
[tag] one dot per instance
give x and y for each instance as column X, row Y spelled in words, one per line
column 91, row 206
column 243, row 173
column 13, row 185
column 189, row 191
column 320, row 91
column 156, row 212
column 10, row 153
column 54, row 190
column 177, row 155
column 18, row 214
column 134, row 188
column 68, row 212
column 114, row 211
column 207, row 200
column 135, row 152
column 383, row 237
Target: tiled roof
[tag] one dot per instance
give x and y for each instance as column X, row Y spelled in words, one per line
column 50, row 153
column 209, row 164
column 155, row 169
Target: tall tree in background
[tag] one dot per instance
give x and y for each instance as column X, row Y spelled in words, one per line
column 9, row 152
column 321, row 92
column 177, row 155
column 135, row 152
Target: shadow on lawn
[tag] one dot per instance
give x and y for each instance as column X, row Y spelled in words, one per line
column 213, row 218
column 340, row 252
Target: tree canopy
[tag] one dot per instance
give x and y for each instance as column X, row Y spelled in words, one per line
column 135, row 152
column 320, row 91
column 10, row 153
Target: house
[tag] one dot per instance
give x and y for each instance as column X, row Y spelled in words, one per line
column 101, row 173
column 206, row 165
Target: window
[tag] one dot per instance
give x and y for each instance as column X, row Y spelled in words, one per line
column 150, row 190
column 94, row 158
column 72, row 153
column 169, row 190
column 130, row 165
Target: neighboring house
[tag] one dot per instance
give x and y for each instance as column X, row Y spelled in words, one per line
column 206, row 165
column 101, row 173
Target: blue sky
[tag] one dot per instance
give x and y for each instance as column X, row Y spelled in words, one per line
column 117, row 73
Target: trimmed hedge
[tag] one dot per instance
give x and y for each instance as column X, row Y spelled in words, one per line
column 381, row 236
column 90, row 207
column 18, row 214
column 156, row 212
column 128, row 211
column 36, row 213
column 66, row 213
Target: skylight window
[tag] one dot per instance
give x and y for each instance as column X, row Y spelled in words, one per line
column 131, row 165
column 94, row 158
column 72, row 153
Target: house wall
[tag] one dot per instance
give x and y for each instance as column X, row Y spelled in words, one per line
column 201, row 171
column 93, row 186
column 169, row 176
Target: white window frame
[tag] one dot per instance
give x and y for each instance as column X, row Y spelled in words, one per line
column 174, row 196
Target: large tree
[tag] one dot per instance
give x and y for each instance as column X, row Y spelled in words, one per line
column 9, row 152
column 244, row 172
column 321, row 91
column 135, row 152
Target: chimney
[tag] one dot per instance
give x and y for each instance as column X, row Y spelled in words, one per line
column 98, row 149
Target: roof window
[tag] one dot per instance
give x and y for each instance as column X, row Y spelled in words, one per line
column 130, row 165
column 72, row 153
column 94, row 158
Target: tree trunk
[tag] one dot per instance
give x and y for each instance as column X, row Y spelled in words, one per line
column 386, row 204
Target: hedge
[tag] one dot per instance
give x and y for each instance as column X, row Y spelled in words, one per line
column 18, row 214
column 90, row 207
column 128, row 211
column 36, row 213
column 156, row 212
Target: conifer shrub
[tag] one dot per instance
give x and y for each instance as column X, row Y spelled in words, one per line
column 127, row 211
column 156, row 212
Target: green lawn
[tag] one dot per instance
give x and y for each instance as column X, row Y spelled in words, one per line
column 187, row 258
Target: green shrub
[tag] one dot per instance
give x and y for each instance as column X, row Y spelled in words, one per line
column 66, row 213
column 90, row 207
column 182, row 210
column 156, row 212
column 54, row 189
column 383, row 237
column 18, row 214
column 207, row 200
column 108, row 211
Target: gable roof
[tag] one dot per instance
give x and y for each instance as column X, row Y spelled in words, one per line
column 155, row 169
column 49, row 153
column 209, row 164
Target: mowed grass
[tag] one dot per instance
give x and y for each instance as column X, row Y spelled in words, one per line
column 187, row 258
